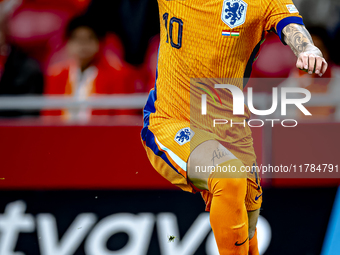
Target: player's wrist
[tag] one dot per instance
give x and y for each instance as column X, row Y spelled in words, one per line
column 312, row 49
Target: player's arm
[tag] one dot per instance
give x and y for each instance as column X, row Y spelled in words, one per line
column 310, row 58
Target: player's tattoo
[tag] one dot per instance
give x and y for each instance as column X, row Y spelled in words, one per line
column 309, row 57
column 218, row 154
column 299, row 39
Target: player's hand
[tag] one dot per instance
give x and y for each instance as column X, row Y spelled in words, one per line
column 312, row 61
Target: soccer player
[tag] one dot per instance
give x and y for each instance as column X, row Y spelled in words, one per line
column 201, row 41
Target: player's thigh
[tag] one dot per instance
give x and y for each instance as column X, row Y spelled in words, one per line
column 201, row 160
column 168, row 144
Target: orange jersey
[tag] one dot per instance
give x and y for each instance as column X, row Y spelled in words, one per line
column 210, row 39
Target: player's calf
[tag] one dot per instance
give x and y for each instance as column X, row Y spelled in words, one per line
column 228, row 214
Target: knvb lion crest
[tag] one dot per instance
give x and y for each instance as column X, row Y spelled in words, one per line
column 234, row 12
column 184, row 135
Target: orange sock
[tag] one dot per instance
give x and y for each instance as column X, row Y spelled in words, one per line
column 228, row 214
column 253, row 247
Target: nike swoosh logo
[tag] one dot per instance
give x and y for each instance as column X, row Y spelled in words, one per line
column 239, row 244
column 257, row 197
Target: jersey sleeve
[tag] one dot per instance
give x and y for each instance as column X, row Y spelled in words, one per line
column 278, row 14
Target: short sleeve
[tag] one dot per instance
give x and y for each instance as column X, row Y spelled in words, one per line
column 278, row 14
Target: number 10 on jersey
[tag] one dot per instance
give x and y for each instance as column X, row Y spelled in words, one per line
column 173, row 20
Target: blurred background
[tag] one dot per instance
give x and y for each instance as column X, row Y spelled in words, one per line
column 74, row 177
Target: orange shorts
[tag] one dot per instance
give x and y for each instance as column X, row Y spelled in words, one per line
column 168, row 143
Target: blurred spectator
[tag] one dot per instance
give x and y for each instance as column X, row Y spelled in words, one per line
column 326, row 85
column 134, row 21
column 38, row 27
column 19, row 74
column 88, row 71
column 323, row 13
